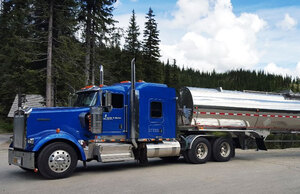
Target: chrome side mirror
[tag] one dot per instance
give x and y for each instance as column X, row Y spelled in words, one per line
column 108, row 102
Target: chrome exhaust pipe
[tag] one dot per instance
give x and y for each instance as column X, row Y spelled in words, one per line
column 101, row 75
column 132, row 104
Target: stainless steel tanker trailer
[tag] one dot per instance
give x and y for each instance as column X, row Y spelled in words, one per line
column 237, row 115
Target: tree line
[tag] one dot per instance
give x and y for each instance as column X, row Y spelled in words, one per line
column 54, row 47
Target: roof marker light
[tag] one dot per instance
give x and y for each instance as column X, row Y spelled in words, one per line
column 124, row 82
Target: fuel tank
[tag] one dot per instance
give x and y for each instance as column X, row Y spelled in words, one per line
column 207, row 107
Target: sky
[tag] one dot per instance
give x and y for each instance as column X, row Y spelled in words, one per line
column 222, row 35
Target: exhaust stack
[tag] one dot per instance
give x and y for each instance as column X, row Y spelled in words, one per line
column 132, row 104
column 101, row 75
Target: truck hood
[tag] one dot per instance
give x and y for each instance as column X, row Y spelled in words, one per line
column 66, row 119
column 58, row 110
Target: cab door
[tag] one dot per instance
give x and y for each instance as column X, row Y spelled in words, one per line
column 114, row 116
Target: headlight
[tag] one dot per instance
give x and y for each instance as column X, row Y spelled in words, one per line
column 30, row 141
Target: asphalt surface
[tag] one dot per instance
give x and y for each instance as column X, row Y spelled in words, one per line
column 274, row 171
column 4, row 138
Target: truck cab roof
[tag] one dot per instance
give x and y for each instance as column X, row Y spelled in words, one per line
column 123, row 87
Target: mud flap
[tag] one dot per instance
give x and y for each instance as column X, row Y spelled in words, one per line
column 260, row 144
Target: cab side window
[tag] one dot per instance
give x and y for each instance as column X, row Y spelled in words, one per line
column 156, row 109
column 117, row 100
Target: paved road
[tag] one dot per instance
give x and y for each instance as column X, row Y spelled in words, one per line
column 276, row 171
column 4, row 138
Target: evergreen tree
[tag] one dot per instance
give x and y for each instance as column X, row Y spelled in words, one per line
column 60, row 36
column 97, row 17
column 132, row 44
column 152, row 67
column 17, row 52
column 175, row 80
column 167, row 73
column 49, row 87
column 24, row 34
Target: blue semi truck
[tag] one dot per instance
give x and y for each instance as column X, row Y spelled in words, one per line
column 131, row 121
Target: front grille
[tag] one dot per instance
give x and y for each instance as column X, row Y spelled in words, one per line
column 19, row 130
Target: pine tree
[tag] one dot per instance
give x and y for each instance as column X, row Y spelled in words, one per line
column 1, row 6
column 132, row 44
column 16, row 52
column 175, row 79
column 58, row 38
column 152, row 66
column 97, row 17
column 167, row 73
column 49, row 87
column 24, row 41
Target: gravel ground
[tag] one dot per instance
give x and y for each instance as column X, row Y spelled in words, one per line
column 274, row 171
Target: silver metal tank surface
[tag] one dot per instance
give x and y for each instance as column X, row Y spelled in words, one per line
column 205, row 107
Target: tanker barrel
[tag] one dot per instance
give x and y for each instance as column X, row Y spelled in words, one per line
column 227, row 108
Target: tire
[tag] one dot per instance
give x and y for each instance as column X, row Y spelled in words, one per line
column 200, row 151
column 57, row 160
column 170, row 158
column 222, row 149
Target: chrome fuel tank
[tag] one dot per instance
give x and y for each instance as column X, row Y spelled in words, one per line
column 206, row 107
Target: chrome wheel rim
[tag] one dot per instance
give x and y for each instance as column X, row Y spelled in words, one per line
column 59, row 161
column 225, row 149
column 201, row 151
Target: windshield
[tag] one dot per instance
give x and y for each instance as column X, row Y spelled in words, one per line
column 85, row 99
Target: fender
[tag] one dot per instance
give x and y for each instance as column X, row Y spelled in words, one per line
column 191, row 138
column 62, row 135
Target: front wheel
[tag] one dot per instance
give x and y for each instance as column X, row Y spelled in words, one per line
column 200, row 151
column 57, row 160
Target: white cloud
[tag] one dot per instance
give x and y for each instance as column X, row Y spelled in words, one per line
column 214, row 38
column 189, row 11
column 287, row 23
column 207, row 35
column 297, row 71
column 117, row 3
column 275, row 69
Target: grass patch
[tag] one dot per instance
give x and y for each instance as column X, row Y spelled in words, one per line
column 6, row 126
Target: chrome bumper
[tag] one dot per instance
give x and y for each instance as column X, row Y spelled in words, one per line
column 21, row 158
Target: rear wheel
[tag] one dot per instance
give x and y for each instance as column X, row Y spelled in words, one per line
column 222, row 149
column 200, row 151
column 57, row 160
